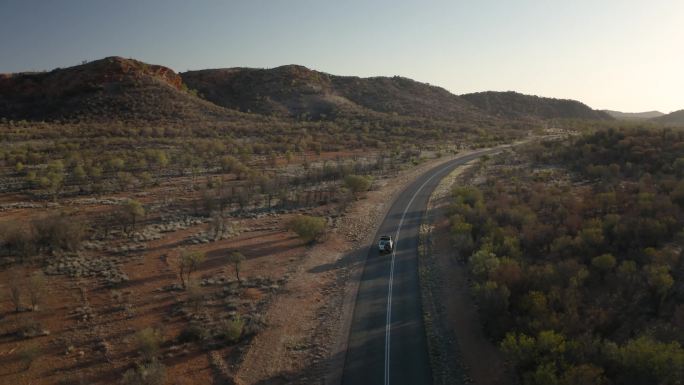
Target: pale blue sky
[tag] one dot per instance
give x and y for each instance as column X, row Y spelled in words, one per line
column 618, row 54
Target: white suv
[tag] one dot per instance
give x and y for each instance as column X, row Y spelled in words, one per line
column 385, row 244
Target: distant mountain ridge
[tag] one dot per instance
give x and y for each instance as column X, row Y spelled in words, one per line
column 120, row 89
column 634, row 115
column 514, row 105
column 294, row 90
column 676, row 117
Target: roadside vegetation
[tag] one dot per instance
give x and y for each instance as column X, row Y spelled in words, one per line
column 90, row 207
column 575, row 251
column 130, row 201
column 307, row 227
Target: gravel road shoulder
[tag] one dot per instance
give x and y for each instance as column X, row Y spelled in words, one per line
column 459, row 351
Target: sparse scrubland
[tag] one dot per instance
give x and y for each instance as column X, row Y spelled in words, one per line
column 136, row 258
column 149, row 220
column 574, row 247
column 145, row 231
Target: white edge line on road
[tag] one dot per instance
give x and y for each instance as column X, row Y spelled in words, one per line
column 388, row 320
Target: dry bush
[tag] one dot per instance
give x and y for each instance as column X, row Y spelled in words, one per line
column 129, row 214
column 307, row 227
column 17, row 240
column 58, row 232
column 195, row 296
column 36, row 289
column 236, row 258
column 148, row 342
column 218, row 224
column 150, row 373
column 357, row 183
column 29, row 354
column 188, row 263
column 15, row 292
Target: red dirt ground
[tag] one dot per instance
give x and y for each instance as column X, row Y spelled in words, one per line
column 97, row 350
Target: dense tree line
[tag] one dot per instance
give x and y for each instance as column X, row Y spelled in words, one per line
column 577, row 260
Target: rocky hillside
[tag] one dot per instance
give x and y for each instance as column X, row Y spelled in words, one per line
column 109, row 89
column 674, row 118
column 634, row 115
column 117, row 89
column 300, row 92
column 513, row 105
column 398, row 95
column 283, row 91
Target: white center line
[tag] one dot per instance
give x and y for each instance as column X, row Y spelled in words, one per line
column 388, row 320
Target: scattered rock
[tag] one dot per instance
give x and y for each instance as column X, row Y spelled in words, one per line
column 172, row 287
column 106, row 268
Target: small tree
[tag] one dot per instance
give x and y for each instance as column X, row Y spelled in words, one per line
column 53, row 180
column 36, row 289
column 307, row 227
column 217, row 225
column 58, row 232
column 79, row 175
column 195, row 296
column 603, row 263
column 660, row 280
column 130, row 214
column 236, row 259
column 462, row 236
column 188, row 263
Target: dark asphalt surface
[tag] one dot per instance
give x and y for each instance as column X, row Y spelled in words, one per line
column 391, row 347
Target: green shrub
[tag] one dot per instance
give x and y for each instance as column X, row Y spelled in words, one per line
column 148, row 342
column 357, row 183
column 307, row 227
column 646, row 361
column 188, row 263
column 232, row 329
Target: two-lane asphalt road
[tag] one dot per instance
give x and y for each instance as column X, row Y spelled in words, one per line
column 387, row 343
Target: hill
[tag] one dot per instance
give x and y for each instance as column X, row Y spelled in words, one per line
column 634, row 115
column 283, row 91
column 117, row 89
column 513, row 105
column 298, row 91
column 403, row 96
column 676, row 117
column 110, row 89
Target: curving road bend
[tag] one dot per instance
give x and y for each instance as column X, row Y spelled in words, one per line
column 387, row 343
